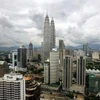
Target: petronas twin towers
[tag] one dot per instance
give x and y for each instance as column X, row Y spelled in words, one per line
column 48, row 37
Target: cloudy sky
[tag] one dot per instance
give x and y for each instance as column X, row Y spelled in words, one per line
column 76, row 21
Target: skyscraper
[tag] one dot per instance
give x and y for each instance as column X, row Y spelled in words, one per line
column 67, row 72
column 22, row 59
column 61, row 52
column 81, row 70
column 48, row 37
column 61, row 56
column 52, row 35
column 30, row 52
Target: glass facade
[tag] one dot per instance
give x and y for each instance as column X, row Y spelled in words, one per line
column 94, row 83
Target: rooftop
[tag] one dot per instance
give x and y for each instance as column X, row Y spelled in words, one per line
column 1, row 62
column 13, row 76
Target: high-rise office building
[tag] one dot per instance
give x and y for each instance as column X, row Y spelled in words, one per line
column 48, row 37
column 22, row 59
column 85, row 49
column 30, row 52
column 81, row 70
column 61, row 56
column 67, row 73
column 12, row 87
column 54, row 65
column 61, row 45
column 61, row 52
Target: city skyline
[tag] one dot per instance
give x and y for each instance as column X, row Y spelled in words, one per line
column 22, row 21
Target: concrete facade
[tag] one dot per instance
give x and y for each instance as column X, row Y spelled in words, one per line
column 54, row 65
column 12, row 87
column 81, row 70
column 67, row 72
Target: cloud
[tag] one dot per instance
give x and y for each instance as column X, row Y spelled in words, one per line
column 37, row 18
column 5, row 22
column 76, row 21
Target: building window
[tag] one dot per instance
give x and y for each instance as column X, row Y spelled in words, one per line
column 15, row 63
column 15, row 56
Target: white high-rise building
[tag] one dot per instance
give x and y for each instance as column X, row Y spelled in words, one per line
column 81, row 70
column 12, row 87
column 67, row 72
column 47, row 72
column 48, row 37
column 54, row 65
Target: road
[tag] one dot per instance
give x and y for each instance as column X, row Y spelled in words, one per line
column 46, row 95
column 80, row 97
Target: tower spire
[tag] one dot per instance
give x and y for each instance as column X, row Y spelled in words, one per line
column 52, row 18
column 46, row 14
column 52, row 21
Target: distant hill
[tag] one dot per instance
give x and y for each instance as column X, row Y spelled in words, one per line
column 94, row 46
column 91, row 46
column 8, row 48
column 15, row 48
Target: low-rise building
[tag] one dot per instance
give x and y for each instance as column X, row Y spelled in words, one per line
column 78, row 88
column 96, row 55
column 79, row 53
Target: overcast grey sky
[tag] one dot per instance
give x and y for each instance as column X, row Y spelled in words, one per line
column 76, row 21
